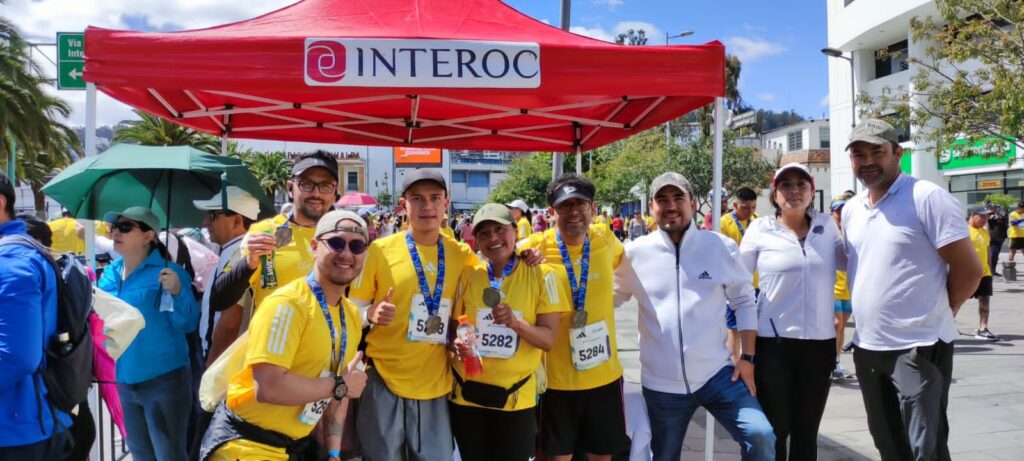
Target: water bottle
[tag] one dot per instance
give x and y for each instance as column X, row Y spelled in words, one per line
column 166, row 301
column 467, row 333
column 268, row 274
column 64, row 344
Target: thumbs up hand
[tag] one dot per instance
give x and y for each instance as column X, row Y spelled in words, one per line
column 355, row 378
column 384, row 311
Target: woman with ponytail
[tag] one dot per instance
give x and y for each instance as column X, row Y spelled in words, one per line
column 153, row 375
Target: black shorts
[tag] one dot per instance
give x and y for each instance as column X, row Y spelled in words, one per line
column 984, row 288
column 483, row 433
column 1017, row 243
column 589, row 421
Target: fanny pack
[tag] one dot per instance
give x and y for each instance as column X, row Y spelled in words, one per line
column 487, row 395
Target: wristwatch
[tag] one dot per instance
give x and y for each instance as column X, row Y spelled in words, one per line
column 747, row 357
column 340, row 388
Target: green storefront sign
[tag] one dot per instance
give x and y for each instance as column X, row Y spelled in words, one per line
column 988, row 151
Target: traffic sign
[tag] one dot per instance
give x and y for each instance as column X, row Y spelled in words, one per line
column 70, row 60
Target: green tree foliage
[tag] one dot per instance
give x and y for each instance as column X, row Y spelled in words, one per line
column 966, row 100
column 272, row 169
column 630, row 163
column 1004, row 201
column 632, row 38
column 528, row 178
column 384, row 199
column 151, row 130
column 741, row 166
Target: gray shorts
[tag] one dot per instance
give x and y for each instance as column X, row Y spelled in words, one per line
column 395, row 428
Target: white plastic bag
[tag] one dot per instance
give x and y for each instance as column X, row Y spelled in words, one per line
column 214, row 385
column 121, row 321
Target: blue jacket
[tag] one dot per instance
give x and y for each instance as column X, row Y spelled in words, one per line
column 28, row 318
column 161, row 346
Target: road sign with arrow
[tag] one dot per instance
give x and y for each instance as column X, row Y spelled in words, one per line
column 70, row 60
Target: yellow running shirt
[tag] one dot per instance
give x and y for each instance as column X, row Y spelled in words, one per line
column 981, row 240
column 288, row 330
column 841, row 291
column 530, row 291
column 523, row 228
column 291, row 261
column 65, row 236
column 410, row 369
column 448, row 232
column 1015, row 231
column 732, row 230
column 651, row 224
column 605, row 254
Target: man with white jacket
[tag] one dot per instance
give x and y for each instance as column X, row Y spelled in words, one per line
column 683, row 277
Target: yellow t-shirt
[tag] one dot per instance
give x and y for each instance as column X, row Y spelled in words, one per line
column 288, row 330
column 65, row 236
column 523, row 228
column 1017, row 231
column 605, row 254
column 292, row 261
column 651, row 225
column 731, row 230
column 448, row 232
column 410, row 369
column 600, row 220
column 841, row 290
column 102, row 229
column 981, row 239
column 530, row 291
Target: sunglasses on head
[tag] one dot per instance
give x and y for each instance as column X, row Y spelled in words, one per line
column 338, row 244
column 123, row 227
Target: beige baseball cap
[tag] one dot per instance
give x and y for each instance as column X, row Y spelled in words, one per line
column 239, row 201
column 873, row 131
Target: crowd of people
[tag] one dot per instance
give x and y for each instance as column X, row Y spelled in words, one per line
column 345, row 328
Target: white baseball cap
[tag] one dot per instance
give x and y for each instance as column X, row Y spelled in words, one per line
column 239, row 201
column 518, row 203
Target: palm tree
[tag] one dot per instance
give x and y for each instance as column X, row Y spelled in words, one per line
column 155, row 131
column 272, row 169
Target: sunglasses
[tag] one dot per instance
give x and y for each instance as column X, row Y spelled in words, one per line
column 338, row 244
column 123, row 227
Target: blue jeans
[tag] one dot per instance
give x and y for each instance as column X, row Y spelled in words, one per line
column 729, row 402
column 156, row 415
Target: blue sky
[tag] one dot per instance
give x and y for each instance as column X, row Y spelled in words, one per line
column 778, row 41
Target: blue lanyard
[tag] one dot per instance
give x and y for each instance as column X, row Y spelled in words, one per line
column 318, row 292
column 496, row 284
column 579, row 289
column 433, row 301
column 739, row 225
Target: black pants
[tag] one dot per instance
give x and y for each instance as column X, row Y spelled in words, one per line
column 56, row 448
column 906, row 393
column 993, row 254
column 793, row 377
column 484, row 434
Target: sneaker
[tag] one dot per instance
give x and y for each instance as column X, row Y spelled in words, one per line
column 986, row 335
column 839, row 373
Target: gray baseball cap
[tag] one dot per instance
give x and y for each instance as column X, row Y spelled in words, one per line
column 873, row 131
column 331, row 222
column 136, row 213
column 496, row 212
column 674, row 179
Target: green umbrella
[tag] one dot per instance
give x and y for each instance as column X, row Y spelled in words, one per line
column 163, row 179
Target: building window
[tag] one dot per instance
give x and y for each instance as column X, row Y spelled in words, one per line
column 824, row 138
column 458, row 177
column 891, row 59
column 794, row 140
column 479, row 179
column 352, row 181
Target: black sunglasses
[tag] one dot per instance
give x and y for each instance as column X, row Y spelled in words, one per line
column 337, row 245
column 123, row 227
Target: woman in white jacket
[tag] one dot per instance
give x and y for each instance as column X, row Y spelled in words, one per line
column 796, row 252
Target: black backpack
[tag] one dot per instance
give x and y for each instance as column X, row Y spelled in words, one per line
column 68, row 373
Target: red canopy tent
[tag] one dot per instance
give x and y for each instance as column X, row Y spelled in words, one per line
column 469, row 74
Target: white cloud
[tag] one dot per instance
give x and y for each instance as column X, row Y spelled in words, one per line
column 752, row 49
column 824, row 101
column 766, row 96
column 611, row 4
column 593, row 32
column 650, row 30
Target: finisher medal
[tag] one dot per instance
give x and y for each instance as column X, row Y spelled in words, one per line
column 434, row 325
column 491, row 297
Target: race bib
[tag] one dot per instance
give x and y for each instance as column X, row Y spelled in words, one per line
column 419, row 321
column 313, row 411
column 496, row 341
column 590, row 346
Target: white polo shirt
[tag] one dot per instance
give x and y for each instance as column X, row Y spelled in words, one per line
column 797, row 280
column 897, row 278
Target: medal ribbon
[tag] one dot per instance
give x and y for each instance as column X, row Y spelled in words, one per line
column 433, row 301
column 579, row 289
column 739, row 225
column 496, row 284
column 318, row 292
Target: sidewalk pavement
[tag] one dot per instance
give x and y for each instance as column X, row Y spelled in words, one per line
column 986, row 408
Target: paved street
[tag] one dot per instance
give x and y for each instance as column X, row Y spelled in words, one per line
column 986, row 410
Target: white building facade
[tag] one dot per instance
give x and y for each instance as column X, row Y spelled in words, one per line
column 860, row 29
column 807, row 143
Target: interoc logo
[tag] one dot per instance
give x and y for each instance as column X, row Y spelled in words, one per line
column 325, row 61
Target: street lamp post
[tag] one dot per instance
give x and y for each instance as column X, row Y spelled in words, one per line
column 836, row 53
column 668, row 129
